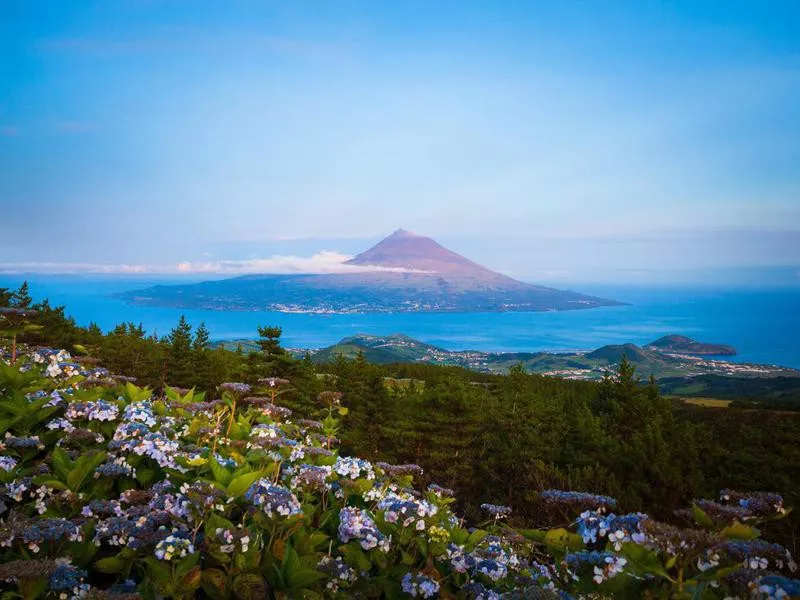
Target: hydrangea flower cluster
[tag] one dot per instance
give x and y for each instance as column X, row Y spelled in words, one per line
column 273, row 499
column 578, row 500
column 173, row 546
column 312, row 477
column 339, row 574
column 759, row 554
column 603, row 565
column 160, row 518
column 418, row 585
column 490, row 560
column 757, row 503
column 357, row 524
column 92, row 411
column 118, row 467
column 235, row 387
column 777, row 587
column 594, row 525
column 406, row 510
column 496, row 511
column 354, row 468
column 140, row 412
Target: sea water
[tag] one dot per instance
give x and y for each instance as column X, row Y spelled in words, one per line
column 763, row 324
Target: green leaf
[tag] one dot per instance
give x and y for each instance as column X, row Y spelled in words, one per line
column 220, row 473
column 84, row 467
column 159, row 572
column 214, row 583
column 240, row 484
column 562, row 540
column 302, row 578
column 249, row 586
column 476, row 537
column 355, row 556
column 50, row 482
column 62, row 465
column 739, row 531
column 32, row 587
column 111, row 565
column 701, row 518
column 643, row 561
column 214, row 522
column 191, row 581
column 186, row 564
column 290, row 562
column 536, row 535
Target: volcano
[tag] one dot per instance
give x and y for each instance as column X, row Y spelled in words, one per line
column 404, row 272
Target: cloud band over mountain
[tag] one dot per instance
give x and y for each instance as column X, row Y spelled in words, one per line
column 324, row 262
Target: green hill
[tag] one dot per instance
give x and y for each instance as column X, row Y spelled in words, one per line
column 399, row 348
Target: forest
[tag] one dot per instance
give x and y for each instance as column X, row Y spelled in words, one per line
column 493, row 439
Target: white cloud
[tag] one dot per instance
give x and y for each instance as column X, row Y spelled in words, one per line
column 76, row 267
column 320, row 263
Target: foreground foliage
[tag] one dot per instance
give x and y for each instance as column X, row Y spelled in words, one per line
column 110, row 490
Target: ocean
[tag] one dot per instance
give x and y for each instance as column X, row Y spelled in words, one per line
column 763, row 324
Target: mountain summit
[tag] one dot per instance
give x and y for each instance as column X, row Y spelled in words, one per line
column 410, row 251
column 404, row 272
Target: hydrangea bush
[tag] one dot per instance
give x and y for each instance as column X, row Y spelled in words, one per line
column 112, row 491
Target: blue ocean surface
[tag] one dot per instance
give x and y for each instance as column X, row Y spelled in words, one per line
column 763, row 324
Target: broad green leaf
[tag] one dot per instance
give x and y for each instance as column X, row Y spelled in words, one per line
column 302, row 578
column 220, row 473
column 476, row 537
column 701, row 518
column 537, row 535
column 562, row 540
column 50, row 482
column 240, row 484
column 62, row 465
column 739, row 531
column 643, row 561
column 111, row 565
column 84, row 467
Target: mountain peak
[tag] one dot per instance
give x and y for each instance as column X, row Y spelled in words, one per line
column 408, row 250
column 400, row 233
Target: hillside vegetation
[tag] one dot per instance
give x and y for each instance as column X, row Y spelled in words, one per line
column 223, row 492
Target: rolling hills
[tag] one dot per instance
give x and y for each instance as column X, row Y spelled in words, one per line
column 648, row 360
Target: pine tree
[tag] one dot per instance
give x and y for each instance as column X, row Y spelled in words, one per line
column 273, row 360
column 201, row 338
column 201, row 359
column 21, row 297
column 179, row 356
column 15, row 320
column 270, row 340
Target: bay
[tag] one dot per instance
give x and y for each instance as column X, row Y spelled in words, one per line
column 763, row 324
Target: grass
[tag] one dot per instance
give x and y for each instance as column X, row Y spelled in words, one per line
column 708, row 402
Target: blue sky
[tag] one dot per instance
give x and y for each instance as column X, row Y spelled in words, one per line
column 535, row 137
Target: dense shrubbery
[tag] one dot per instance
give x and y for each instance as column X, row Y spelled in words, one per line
column 494, row 439
column 112, row 491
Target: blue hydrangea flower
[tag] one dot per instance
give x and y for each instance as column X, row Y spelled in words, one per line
column 66, row 577
column 356, row 524
column 273, row 499
column 419, row 585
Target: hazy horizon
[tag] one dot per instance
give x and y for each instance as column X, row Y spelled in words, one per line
column 550, row 141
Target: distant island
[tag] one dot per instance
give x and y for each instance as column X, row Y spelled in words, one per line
column 405, row 272
column 679, row 344
column 648, row 360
